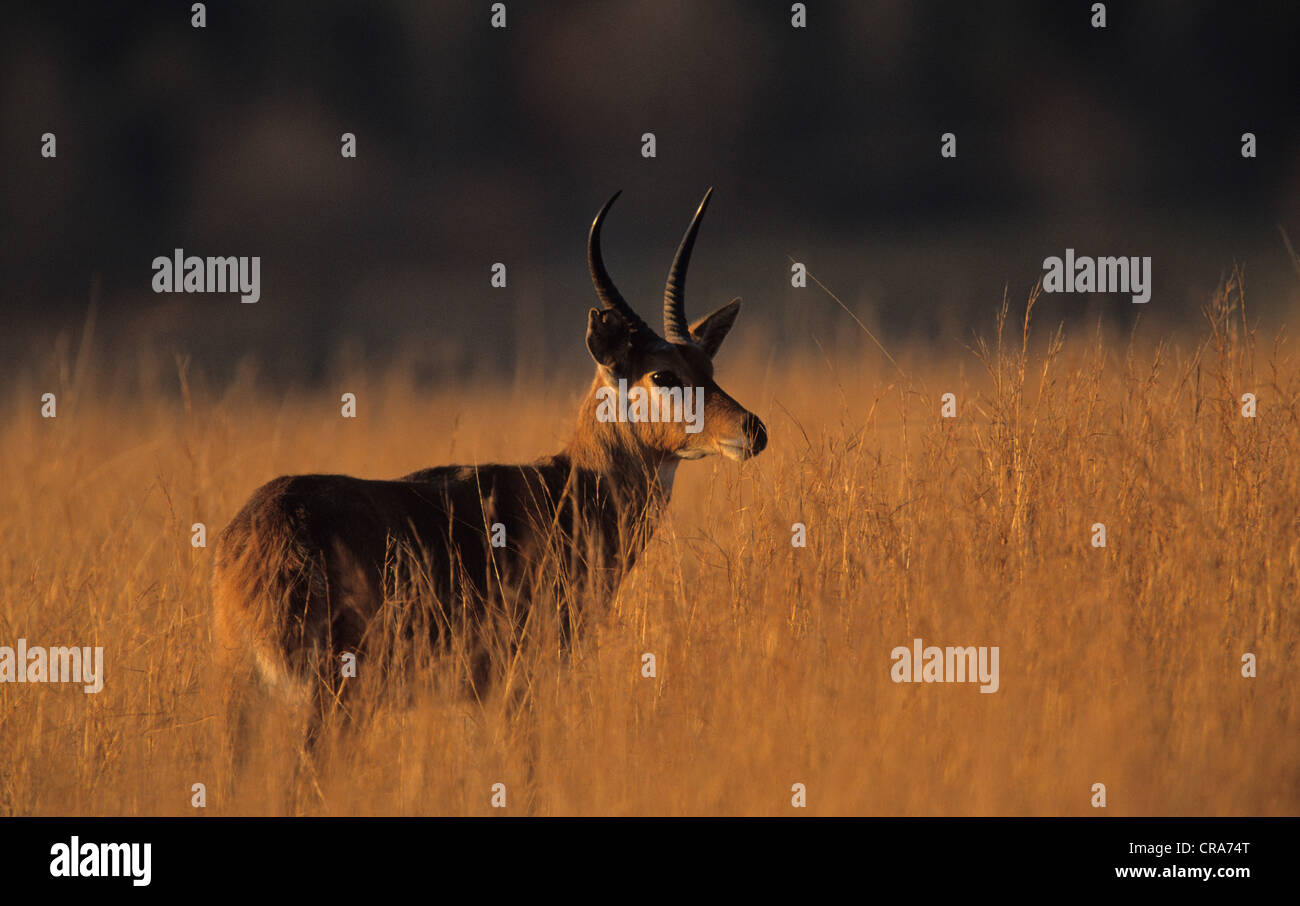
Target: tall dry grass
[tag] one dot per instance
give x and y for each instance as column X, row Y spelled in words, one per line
column 1119, row 665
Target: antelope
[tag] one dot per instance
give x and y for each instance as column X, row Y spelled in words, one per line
column 299, row 572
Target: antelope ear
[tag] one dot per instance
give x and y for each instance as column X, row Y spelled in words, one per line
column 609, row 338
column 711, row 330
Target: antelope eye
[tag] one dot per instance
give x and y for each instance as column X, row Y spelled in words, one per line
column 666, row 379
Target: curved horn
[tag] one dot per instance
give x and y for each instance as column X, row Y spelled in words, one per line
column 675, row 327
column 609, row 295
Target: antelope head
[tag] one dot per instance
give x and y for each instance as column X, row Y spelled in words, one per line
column 636, row 366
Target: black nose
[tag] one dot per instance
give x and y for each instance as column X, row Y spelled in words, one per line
column 755, row 433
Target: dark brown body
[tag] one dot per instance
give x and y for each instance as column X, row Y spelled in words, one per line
column 304, row 567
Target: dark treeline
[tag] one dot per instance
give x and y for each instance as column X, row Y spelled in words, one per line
column 478, row 145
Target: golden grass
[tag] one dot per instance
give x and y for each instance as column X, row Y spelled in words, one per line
column 1118, row 665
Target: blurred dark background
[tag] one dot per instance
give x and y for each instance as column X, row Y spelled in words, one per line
column 478, row 145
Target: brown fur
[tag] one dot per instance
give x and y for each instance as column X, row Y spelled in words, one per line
column 309, row 562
